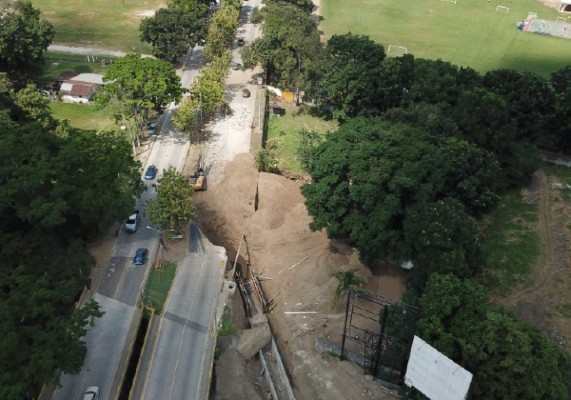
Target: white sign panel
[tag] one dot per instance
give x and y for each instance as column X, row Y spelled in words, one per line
column 435, row 375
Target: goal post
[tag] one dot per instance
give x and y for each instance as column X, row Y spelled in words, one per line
column 450, row 1
column 396, row 51
column 504, row 9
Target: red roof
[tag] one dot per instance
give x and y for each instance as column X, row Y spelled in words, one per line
column 83, row 89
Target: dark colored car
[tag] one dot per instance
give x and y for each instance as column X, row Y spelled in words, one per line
column 236, row 66
column 140, row 256
column 241, row 42
column 151, row 172
column 245, row 92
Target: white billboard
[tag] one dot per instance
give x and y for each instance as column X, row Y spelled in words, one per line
column 435, row 375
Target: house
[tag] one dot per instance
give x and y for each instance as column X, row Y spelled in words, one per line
column 80, row 88
column 565, row 6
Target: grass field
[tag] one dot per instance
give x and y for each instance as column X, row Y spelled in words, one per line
column 84, row 116
column 510, row 243
column 57, row 63
column 109, row 24
column 287, row 128
column 469, row 33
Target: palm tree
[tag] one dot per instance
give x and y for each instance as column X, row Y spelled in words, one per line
column 347, row 280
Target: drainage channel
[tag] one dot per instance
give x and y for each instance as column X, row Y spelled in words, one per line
column 138, row 345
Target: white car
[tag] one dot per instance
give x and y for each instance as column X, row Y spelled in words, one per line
column 132, row 222
column 92, row 393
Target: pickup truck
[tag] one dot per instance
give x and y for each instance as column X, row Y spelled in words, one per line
column 132, row 222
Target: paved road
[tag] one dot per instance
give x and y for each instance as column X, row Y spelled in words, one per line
column 182, row 354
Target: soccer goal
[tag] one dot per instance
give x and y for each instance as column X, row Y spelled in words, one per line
column 396, row 51
column 531, row 15
column 503, row 9
column 450, row 1
column 561, row 19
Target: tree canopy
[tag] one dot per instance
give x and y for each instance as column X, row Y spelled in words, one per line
column 24, row 38
column 347, row 81
column 136, row 86
column 173, row 31
column 60, row 186
column 172, row 206
column 370, row 171
column 510, row 359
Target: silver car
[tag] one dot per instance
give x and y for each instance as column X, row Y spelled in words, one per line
column 92, row 393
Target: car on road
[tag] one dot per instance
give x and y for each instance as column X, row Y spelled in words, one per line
column 245, row 92
column 140, row 256
column 133, row 222
column 236, row 66
column 151, row 172
column 152, row 129
column 92, row 393
column 241, row 42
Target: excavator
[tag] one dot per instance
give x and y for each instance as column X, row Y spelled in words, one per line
column 198, row 180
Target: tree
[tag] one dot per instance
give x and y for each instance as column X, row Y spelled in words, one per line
column 530, row 101
column 347, row 280
column 267, row 159
column 365, row 176
column 440, row 237
column 289, row 43
column 305, row 5
column 173, row 31
column 221, row 31
column 560, row 124
column 24, row 38
column 139, row 85
column 172, row 206
column 510, row 359
column 346, row 83
column 308, row 142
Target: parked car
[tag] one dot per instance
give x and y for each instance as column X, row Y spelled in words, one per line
column 133, row 222
column 92, row 393
column 241, row 42
column 236, row 66
column 245, row 92
column 151, row 172
column 140, row 256
column 152, row 129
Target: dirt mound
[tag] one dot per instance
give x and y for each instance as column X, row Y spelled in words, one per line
column 297, row 267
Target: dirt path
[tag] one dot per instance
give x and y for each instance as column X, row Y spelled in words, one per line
column 545, row 301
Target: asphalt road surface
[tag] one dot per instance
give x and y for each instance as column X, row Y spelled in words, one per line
column 182, row 354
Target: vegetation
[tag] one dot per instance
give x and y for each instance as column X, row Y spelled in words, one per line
column 24, row 38
column 158, row 286
column 227, row 328
column 292, row 128
column 172, row 207
column 267, row 159
column 84, row 116
column 510, row 245
column 467, row 33
column 135, row 87
column 509, row 359
column 206, row 95
column 60, row 187
column 172, row 31
column 347, row 280
column 107, row 24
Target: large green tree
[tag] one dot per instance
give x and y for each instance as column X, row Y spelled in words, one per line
column 135, row 86
column 561, row 121
column 172, row 207
column 370, row 171
column 173, row 31
column 24, row 38
column 287, row 48
column 530, row 101
column 510, row 359
column 59, row 187
column 346, row 83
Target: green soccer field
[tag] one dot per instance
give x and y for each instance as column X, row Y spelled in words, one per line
column 108, row 24
column 468, row 33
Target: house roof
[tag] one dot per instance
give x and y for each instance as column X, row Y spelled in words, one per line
column 77, row 88
column 88, row 77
